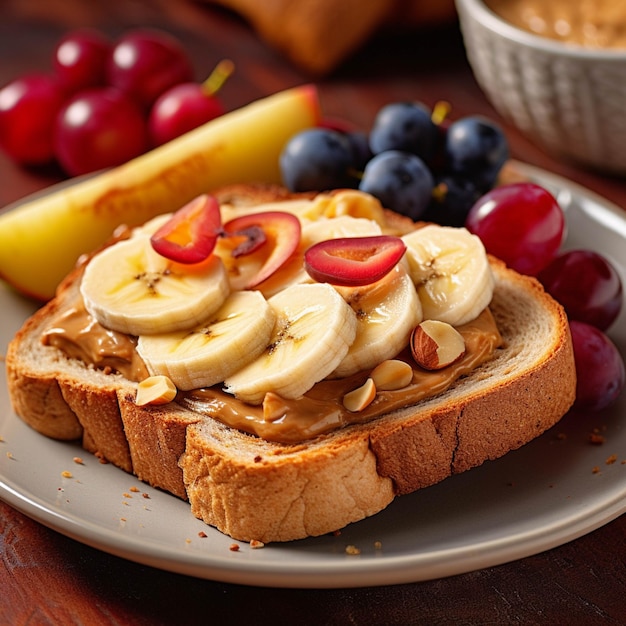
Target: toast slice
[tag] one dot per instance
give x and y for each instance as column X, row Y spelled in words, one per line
column 252, row 489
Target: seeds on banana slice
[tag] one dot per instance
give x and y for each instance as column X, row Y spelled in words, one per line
column 130, row 288
column 451, row 272
column 313, row 331
column 387, row 312
column 204, row 356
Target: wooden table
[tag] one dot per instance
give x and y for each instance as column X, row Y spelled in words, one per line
column 46, row 578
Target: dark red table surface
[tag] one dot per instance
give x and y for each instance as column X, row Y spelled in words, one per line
column 46, row 578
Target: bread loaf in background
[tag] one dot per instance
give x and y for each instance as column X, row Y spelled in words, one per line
column 318, row 35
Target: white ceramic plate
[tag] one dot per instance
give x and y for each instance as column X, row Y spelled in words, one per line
column 533, row 499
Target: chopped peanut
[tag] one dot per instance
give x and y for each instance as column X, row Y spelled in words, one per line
column 155, row 390
column 392, row 374
column 361, row 397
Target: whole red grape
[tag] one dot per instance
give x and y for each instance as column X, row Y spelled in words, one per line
column 181, row 109
column 146, row 62
column 186, row 106
column 99, row 128
column 521, row 223
column 587, row 285
column 28, row 108
column 80, row 60
column 600, row 368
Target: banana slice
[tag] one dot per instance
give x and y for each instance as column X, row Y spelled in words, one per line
column 151, row 226
column 386, row 312
column 336, row 227
column 451, row 272
column 314, row 329
column 348, row 202
column 237, row 334
column 130, row 288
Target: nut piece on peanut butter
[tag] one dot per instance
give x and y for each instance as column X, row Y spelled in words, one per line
column 436, row 344
column 361, row 397
column 155, row 390
column 392, row 374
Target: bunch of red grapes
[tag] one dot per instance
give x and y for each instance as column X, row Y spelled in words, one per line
column 523, row 224
column 104, row 102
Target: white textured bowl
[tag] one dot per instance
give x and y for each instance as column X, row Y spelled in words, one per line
column 568, row 99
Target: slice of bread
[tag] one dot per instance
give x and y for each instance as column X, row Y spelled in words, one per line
column 252, row 489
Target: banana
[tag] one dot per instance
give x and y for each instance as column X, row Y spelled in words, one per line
column 386, row 312
column 349, row 202
column 336, row 227
column 313, row 331
column 297, row 207
column 130, row 288
column 237, row 334
column 451, row 272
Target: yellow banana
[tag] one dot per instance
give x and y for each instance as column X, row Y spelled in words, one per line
column 130, row 288
column 451, row 272
column 387, row 312
column 230, row 339
column 313, row 331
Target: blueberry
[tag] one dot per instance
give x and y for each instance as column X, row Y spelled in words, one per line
column 361, row 152
column 400, row 180
column 476, row 149
column 317, row 159
column 404, row 126
column 452, row 200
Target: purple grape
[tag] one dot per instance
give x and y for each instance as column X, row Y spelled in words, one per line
column 587, row 285
column 361, row 152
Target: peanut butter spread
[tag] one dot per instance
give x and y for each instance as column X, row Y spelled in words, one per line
column 81, row 337
column 319, row 411
column 588, row 23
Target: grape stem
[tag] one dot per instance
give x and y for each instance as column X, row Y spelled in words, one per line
column 218, row 77
column 440, row 112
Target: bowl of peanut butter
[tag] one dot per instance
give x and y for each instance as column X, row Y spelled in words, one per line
column 556, row 70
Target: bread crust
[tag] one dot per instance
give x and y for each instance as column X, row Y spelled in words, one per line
column 251, row 489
